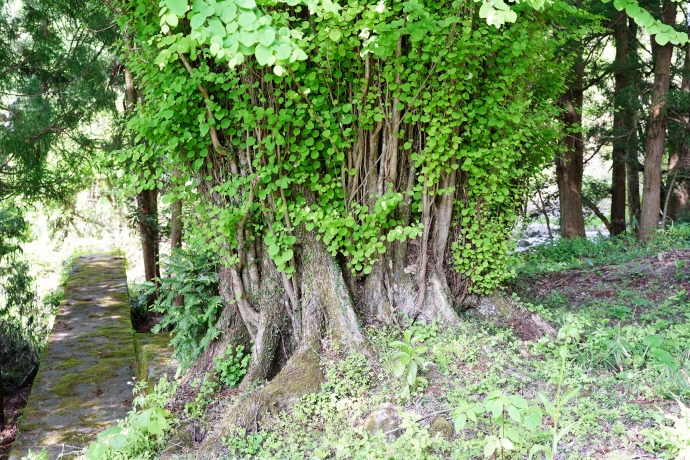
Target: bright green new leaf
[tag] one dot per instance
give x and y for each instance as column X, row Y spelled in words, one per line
column 177, row 7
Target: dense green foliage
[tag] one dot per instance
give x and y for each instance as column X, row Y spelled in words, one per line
column 55, row 88
column 192, row 274
column 275, row 152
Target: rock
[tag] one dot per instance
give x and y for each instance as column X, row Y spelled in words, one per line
column 384, row 419
column 523, row 244
column 535, row 234
column 442, row 427
column 182, row 439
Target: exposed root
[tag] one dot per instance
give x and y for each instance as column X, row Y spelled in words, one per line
column 301, row 376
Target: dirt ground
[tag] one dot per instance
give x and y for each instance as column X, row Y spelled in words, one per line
column 14, row 403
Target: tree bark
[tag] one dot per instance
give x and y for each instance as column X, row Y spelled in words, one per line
column 569, row 164
column 633, row 163
column 147, row 204
column 176, row 232
column 176, row 219
column 656, row 132
column 621, row 125
column 679, row 162
column 2, row 399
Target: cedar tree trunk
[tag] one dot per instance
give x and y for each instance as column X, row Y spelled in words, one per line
column 622, row 126
column 569, row 164
column 656, row 133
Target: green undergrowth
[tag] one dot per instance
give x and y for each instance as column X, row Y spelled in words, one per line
column 585, row 253
column 611, row 384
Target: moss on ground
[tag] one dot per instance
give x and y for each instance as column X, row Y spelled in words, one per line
column 68, row 364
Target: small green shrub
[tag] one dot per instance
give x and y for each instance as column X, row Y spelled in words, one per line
column 197, row 407
column 143, row 432
column 192, row 274
column 672, row 441
column 350, row 376
column 232, row 368
column 410, row 360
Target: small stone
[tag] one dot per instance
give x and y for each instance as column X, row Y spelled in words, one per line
column 523, row 244
column 182, row 439
column 385, row 419
column 442, row 427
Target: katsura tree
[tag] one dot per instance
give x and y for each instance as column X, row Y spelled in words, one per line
column 350, row 164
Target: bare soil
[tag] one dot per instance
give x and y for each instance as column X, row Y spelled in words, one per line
column 14, row 403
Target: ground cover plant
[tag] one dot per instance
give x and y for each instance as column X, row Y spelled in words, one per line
column 609, row 384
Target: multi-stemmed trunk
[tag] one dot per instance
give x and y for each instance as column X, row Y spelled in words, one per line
column 656, row 132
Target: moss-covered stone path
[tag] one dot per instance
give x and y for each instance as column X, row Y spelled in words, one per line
column 84, row 382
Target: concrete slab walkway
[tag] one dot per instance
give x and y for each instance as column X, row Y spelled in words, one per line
column 84, row 384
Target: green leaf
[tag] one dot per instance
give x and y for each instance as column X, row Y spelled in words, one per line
column 266, row 36
column 459, row 421
column 565, row 431
column 248, row 4
column 262, row 54
column 283, row 52
column 197, row 21
column 177, row 7
column 492, row 443
column 653, row 341
column 247, row 19
column 109, row 431
column 507, row 444
column 399, row 369
column 662, row 38
column 171, row 19
column 118, row 442
column 568, row 396
column 412, row 373
column 248, row 38
column 96, row 451
column 335, row 34
column 533, row 419
column 550, row 408
column 485, row 9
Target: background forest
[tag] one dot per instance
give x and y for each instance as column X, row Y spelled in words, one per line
column 370, row 228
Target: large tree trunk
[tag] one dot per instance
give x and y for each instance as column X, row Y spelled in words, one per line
column 147, row 204
column 656, row 132
column 176, row 232
column 569, row 164
column 147, row 200
column 622, row 126
column 2, row 399
column 679, row 162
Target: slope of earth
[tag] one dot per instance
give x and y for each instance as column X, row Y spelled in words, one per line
column 603, row 388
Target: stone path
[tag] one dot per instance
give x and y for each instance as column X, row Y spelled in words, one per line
column 84, row 384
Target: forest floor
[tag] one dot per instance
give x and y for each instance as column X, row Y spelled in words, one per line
column 621, row 306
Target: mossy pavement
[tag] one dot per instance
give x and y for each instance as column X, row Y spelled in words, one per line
column 84, row 383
